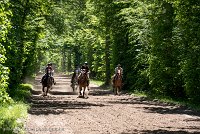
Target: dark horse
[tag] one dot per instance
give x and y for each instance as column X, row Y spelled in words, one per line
column 82, row 82
column 74, row 82
column 47, row 82
column 117, row 83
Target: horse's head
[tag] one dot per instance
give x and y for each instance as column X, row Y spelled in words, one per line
column 83, row 73
column 118, row 75
column 119, row 72
column 83, row 77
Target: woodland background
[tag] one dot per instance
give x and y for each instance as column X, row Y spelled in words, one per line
column 155, row 41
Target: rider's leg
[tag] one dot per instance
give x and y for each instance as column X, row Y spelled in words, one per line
column 53, row 80
column 42, row 78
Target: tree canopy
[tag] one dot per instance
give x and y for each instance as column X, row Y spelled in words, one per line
column 156, row 42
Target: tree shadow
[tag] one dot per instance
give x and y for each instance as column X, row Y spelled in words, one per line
column 96, row 91
column 54, row 105
column 99, row 91
column 154, row 106
column 160, row 131
column 62, row 93
column 169, row 110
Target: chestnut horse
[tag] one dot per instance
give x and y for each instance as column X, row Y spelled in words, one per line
column 82, row 82
column 117, row 83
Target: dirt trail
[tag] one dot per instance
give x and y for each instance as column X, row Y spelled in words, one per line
column 103, row 113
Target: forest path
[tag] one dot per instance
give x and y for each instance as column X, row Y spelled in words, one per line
column 61, row 112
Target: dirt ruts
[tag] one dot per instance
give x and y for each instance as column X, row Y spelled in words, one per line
column 104, row 113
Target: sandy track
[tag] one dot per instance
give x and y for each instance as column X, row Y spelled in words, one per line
column 103, row 113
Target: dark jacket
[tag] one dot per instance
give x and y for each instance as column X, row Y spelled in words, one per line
column 86, row 68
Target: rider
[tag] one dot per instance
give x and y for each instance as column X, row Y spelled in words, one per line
column 86, row 67
column 49, row 66
column 76, row 73
column 118, row 68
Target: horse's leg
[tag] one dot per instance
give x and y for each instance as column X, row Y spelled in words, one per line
column 79, row 92
column 42, row 90
column 73, row 86
column 47, row 90
column 84, row 92
column 117, row 90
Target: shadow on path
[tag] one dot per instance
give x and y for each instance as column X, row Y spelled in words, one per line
column 56, row 105
column 160, row 131
column 151, row 106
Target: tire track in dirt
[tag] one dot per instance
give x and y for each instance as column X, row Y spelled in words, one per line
column 103, row 113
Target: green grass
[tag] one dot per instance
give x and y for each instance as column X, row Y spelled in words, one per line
column 97, row 82
column 22, row 92
column 12, row 118
column 14, row 114
column 101, row 84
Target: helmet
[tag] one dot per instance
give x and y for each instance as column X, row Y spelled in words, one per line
column 86, row 63
column 49, row 64
column 119, row 65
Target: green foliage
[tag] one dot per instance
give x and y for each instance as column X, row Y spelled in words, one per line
column 187, row 35
column 22, row 92
column 12, row 118
column 4, row 71
column 27, row 21
column 155, row 41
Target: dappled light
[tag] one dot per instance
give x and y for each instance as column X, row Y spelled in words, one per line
column 148, row 47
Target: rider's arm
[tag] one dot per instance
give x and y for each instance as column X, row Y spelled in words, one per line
column 122, row 71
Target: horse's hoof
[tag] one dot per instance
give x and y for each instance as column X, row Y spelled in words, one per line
column 79, row 96
column 86, row 97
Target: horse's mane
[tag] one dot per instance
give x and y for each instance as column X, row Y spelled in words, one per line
column 83, row 78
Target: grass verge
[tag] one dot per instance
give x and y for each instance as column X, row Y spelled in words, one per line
column 14, row 114
column 101, row 84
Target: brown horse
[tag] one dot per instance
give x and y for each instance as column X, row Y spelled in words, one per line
column 82, row 82
column 48, row 82
column 117, row 83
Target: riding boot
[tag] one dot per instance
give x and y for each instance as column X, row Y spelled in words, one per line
column 53, row 81
column 42, row 79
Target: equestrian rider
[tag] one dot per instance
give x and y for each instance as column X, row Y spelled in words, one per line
column 76, row 73
column 86, row 67
column 49, row 67
column 118, row 68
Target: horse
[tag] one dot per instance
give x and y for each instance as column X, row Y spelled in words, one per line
column 74, row 82
column 47, row 82
column 82, row 82
column 117, row 83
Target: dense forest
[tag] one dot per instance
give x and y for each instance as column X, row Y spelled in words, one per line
column 155, row 41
